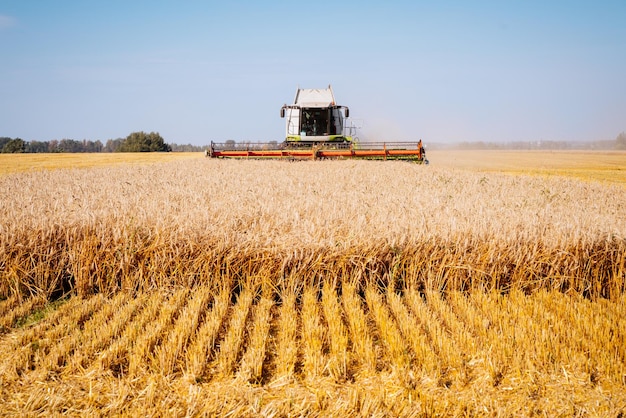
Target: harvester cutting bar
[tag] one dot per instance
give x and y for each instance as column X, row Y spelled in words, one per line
column 383, row 151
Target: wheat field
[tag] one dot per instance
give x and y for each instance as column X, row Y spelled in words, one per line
column 195, row 287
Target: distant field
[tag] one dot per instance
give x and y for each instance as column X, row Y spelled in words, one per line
column 606, row 166
column 172, row 284
column 16, row 163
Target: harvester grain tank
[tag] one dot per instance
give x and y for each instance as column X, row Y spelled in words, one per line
column 317, row 128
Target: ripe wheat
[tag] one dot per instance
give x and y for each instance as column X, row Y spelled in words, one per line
column 335, row 288
column 145, row 227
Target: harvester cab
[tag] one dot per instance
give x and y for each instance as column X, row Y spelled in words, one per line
column 314, row 118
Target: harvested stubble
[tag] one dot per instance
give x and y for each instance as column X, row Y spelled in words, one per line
column 337, row 333
column 286, row 339
column 199, row 350
column 313, row 335
column 546, row 373
column 231, row 347
column 392, row 289
column 251, row 369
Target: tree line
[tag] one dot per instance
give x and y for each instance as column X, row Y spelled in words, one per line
column 135, row 142
column 619, row 143
column 153, row 142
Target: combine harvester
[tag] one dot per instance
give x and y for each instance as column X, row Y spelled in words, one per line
column 316, row 128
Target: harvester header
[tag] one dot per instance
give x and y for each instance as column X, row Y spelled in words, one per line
column 316, row 127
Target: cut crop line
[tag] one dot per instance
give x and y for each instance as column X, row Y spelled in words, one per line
column 287, row 339
column 389, row 331
column 116, row 357
column 200, row 350
column 172, row 348
column 451, row 361
column 363, row 352
column 12, row 311
column 56, row 360
column 101, row 337
column 414, row 334
column 313, row 335
column 468, row 348
column 337, row 333
column 253, row 359
column 230, row 347
column 148, row 340
column 37, row 342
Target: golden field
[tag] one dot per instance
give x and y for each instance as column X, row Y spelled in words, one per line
column 15, row 163
column 605, row 166
column 483, row 284
column 609, row 166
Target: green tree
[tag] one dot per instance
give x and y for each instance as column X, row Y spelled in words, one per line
column 3, row 141
column 113, row 145
column 91, row 146
column 143, row 142
column 187, row 147
column 37, row 146
column 70, row 145
column 16, row 145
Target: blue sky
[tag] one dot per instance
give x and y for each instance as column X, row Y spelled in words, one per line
column 196, row 71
